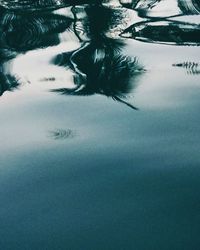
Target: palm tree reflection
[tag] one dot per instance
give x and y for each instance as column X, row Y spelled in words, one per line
column 101, row 71
column 99, row 66
column 22, row 32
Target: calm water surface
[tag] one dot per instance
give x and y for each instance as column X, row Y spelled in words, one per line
column 99, row 125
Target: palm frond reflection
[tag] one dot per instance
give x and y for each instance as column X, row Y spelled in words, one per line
column 102, row 71
column 99, row 66
column 62, row 134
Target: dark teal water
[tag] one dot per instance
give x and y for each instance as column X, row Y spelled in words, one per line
column 99, row 125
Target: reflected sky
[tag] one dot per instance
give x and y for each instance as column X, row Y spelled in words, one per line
column 79, row 168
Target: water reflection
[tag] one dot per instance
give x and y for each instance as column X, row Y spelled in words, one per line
column 101, row 71
column 139, row 4
column 160, row 8
column 189, row 7
column 7, row 82
column 167, row 32
column 192, row 68
column 33, row 5
column 79, row 171
column 99, row 66
column 162, row 28
column 23, row 32
column 62, row 134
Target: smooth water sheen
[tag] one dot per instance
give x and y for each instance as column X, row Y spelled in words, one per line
column 100, row 125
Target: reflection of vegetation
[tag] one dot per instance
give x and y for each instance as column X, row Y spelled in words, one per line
column 144, row 7
column 102, row 71
column 139, row 4
column 33, row 4
column 191, row 68
column 190, row 6
column 99, row 66
column 23, row 32
column 161, row 29
column 7, row 82
column 62, row 134
column 167, row 32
